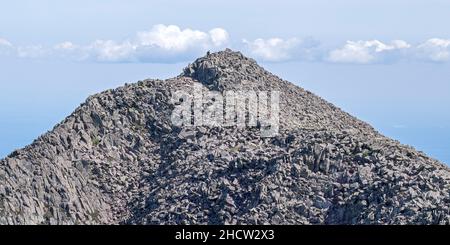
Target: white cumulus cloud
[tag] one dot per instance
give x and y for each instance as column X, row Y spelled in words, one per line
column 32, row 51
column 364, row 52
column 170, row 43
column 277, row 49
column 162, row 43
column 172, row 38
column 435, row 49
column 71, row 51
column 5, row 46
column 112, row 51
column 219, row 36
column 4, row 42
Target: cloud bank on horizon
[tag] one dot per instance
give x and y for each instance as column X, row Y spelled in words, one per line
column 170, row 43
column 160, row 44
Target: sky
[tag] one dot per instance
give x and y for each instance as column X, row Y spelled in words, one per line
column 386, row 62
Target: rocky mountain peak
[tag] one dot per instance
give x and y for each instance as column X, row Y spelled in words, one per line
column 226, row 69
column 119, row 159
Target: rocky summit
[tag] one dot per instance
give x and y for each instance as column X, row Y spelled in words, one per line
column 119, row 159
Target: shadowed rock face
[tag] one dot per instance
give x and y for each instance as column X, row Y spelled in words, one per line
column 118, row 159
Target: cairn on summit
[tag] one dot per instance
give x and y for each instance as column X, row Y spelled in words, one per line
column 119, row 159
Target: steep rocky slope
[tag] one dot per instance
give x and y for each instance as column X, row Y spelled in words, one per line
column 118, row 159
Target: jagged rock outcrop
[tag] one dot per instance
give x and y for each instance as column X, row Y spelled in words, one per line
column 118, row 159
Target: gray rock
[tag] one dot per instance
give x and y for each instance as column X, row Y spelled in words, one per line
column 117, row 159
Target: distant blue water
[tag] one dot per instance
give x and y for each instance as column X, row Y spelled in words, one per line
column 435, row 142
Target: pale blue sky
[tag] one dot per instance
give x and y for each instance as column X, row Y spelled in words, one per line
column 387, row 62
